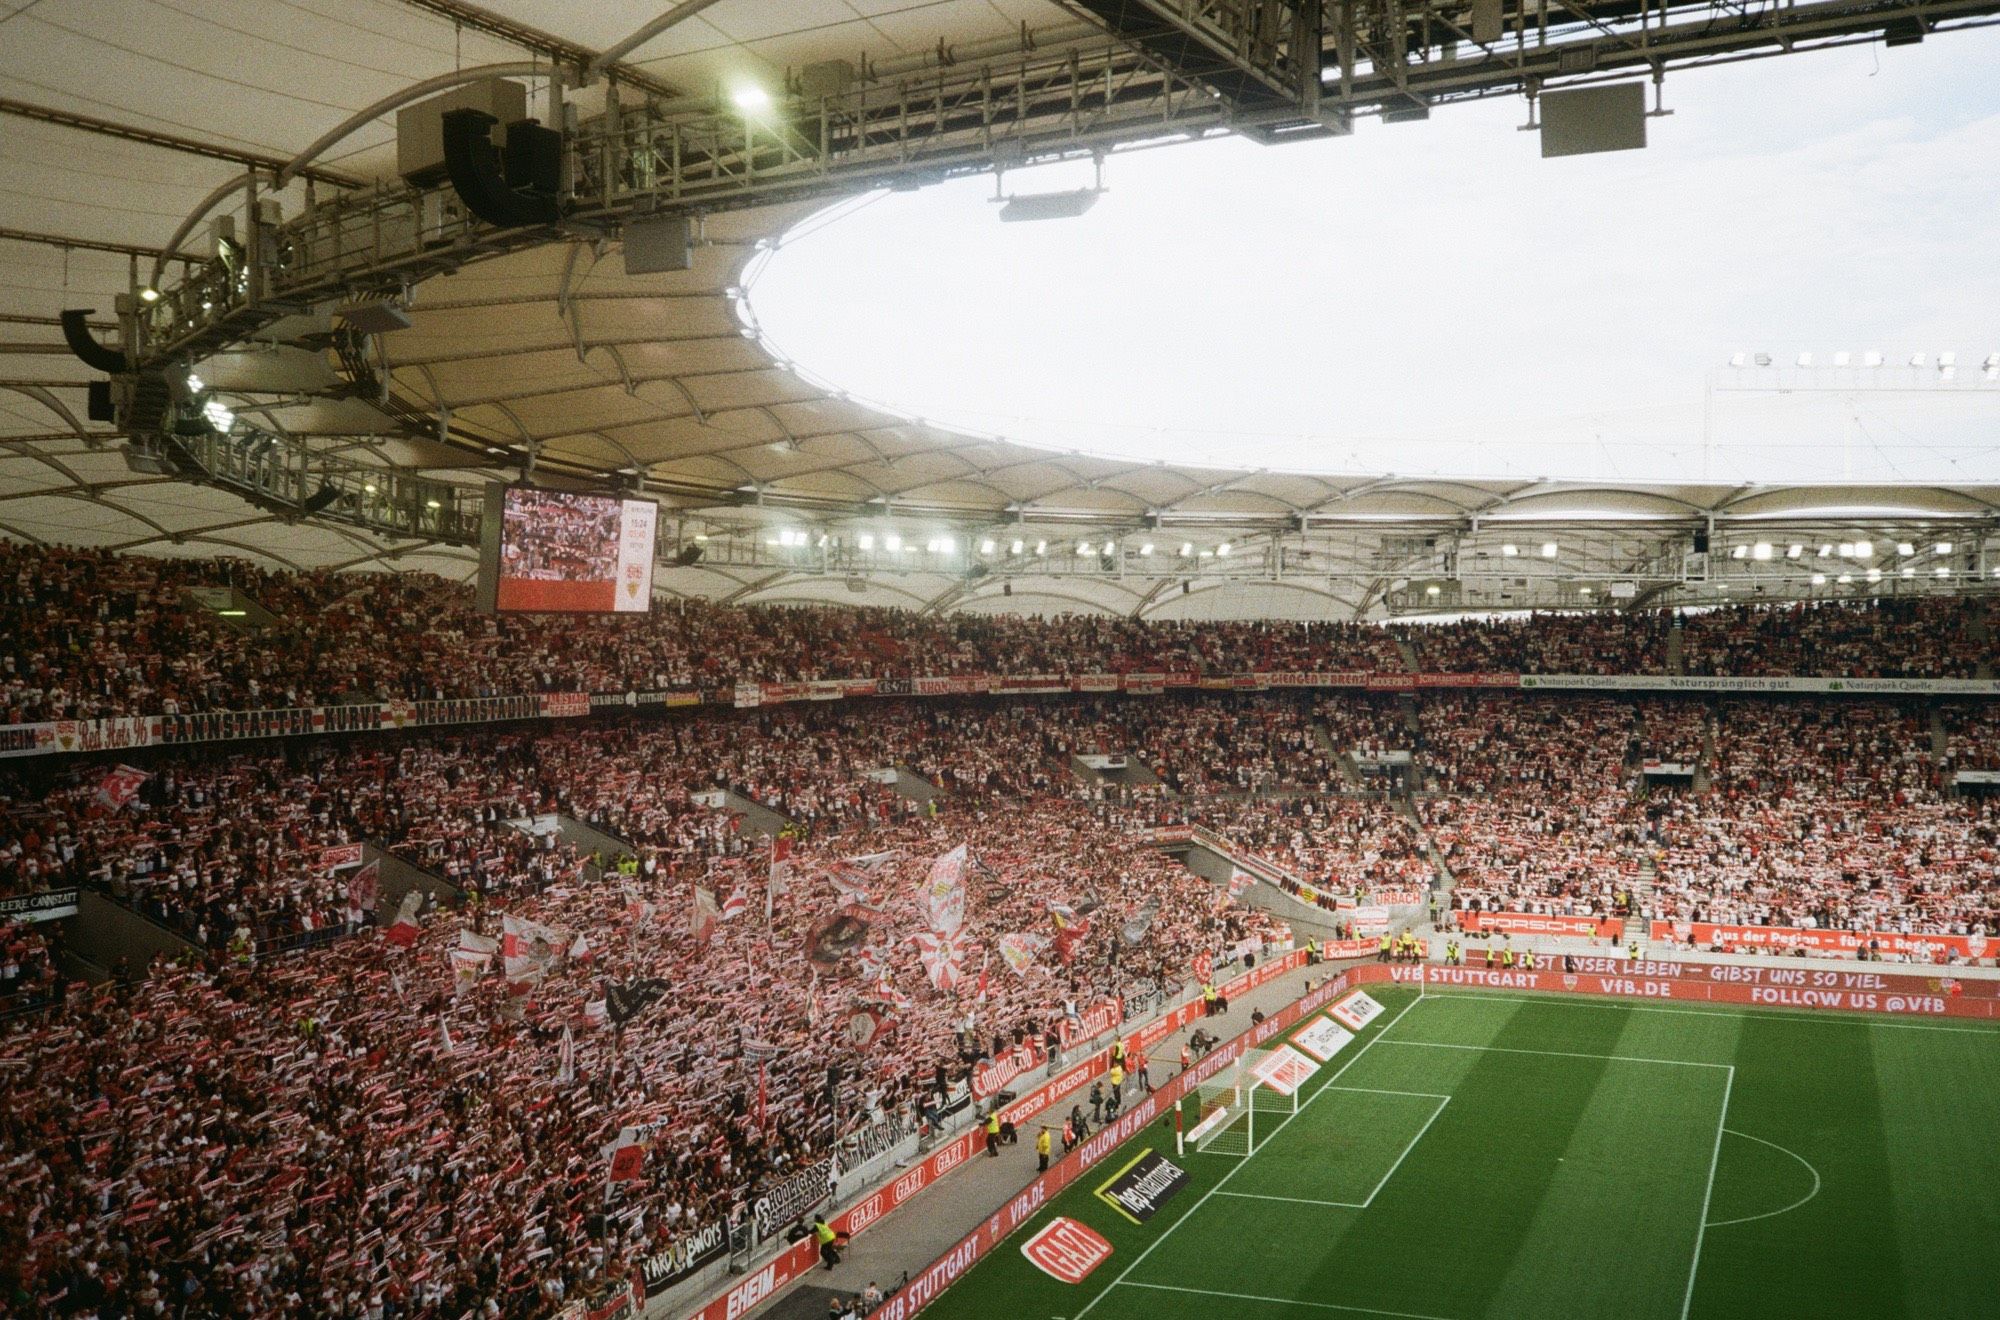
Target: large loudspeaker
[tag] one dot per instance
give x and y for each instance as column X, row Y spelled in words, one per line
column 474, row 167
column 1587, row 120
column 99, row 406
column 652, row 246
column 532, row 159
column 76, row 333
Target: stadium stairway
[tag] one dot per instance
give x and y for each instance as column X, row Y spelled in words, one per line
column 233, row 607
column 1940, row 744
column 105, row 930
column 903, row 1243
column 908, row 783
column 757, row 818
column 1674, row 647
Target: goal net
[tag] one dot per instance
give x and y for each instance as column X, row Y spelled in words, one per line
column 1243, row 1104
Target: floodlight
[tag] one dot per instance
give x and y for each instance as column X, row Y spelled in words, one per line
column 1048, row 206
column 1819, row 579
column 1842, row 359
column 1872, row 358
column 1549, row 549
column 1015, row 549
column 1738, row 359
column 1187, row 548
column 1943, row 572
column 1110, row 547
column 1805, row 359
column 1761, row 550
column 1740, row 552
column 149, row 295
column 750, row 97
column 1509, row 550
column 867, row 541
column 986, row 546
column 1794, row 550
column 1041, row 547
column 1146, row 550
column 1944, row 547
column 1431, row 590
column 892, row 542
column 1864, row 549
column 1905, row 548
column 1083, row 547
column 1222, row 549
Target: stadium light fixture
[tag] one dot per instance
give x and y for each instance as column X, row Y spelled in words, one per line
column 1992, row 365
column 1222, row 550
column 1847, row 549
column 1944, row 547
column 892, row 543
column 1905, row 548
column 1874, row 575
column 1919, row 359
column 1825, row 550
column 1872, row 358
column 1794, row 550
column 1083, row 547
column 1187, row 549
column 948, row 545
column 1763, row 359
column 1738, row 359
column 1432, row 589
column 1845, row 578
column 369, row 487
column 1909, row 572
column 1110, row 547
column 1146, row 550
column 1015, row 549
column 1583, row 591
column 1549, row 549
column 1864, row 549
column 750, row 98
column 1509, row 550
column 1041, row 547
column 195, row 383
column 1819, row 579
column 218, row 415
column 1943, row 571
column 986, row 546
column 1805, row 359
column 1761, row 550
column 867, row 541
column 433, row 504
column 1740, row 552
column 149, row 294
column 1843, row 359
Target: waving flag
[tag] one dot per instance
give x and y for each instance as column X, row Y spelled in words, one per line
column 364, row 887
column 835, row 937
column 781, row 872
column 1134, row 932
column 868, row 1025
column 1020, row 949
column 636, row 907
column 1239, row 880
column 628, row 1157
column 120, row 787
column 622, row 1003
column 944, row 892
column 853, row 877
column 527, row 949
column 703, row 915
column 581, row 951
column 736, row 904
column 402, row 932
column 566, row 1069
column 943, row 958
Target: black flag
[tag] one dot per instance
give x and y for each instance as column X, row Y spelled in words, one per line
column 622, row 1003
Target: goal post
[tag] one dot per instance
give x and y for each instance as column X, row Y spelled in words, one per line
column 1240, row 1106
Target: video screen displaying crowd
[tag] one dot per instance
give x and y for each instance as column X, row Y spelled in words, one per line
column 554, row 537
column 89, row 634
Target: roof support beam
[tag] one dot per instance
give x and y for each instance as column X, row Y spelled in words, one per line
column 92, row 245
column 534, row 39
column 166, row 141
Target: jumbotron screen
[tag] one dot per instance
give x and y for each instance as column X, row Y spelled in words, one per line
column 565, row 552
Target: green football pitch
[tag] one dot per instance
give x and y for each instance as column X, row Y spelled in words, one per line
column 1478, row 1155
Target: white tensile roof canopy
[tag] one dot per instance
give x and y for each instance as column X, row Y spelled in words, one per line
column 550, row 349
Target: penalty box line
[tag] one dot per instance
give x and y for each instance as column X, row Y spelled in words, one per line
column 1715, row 1156
column 1237, row 1168
column 1442, row 1101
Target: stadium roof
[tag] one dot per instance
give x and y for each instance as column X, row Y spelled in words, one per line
column 119, row 124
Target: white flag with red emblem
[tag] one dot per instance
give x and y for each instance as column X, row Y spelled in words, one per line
column 703, row 915
column 944, row 892
column 364, row 887
column 943, row 957
column 735, row 904
column 120, row 788
column 527, row 949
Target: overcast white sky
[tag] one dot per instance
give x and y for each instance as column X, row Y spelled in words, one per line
column 1436, row 297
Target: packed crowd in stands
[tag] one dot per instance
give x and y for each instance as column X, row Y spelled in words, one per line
column 1919, row 637
column 482, row 1168
column 87, row 634
column 299, row 1117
